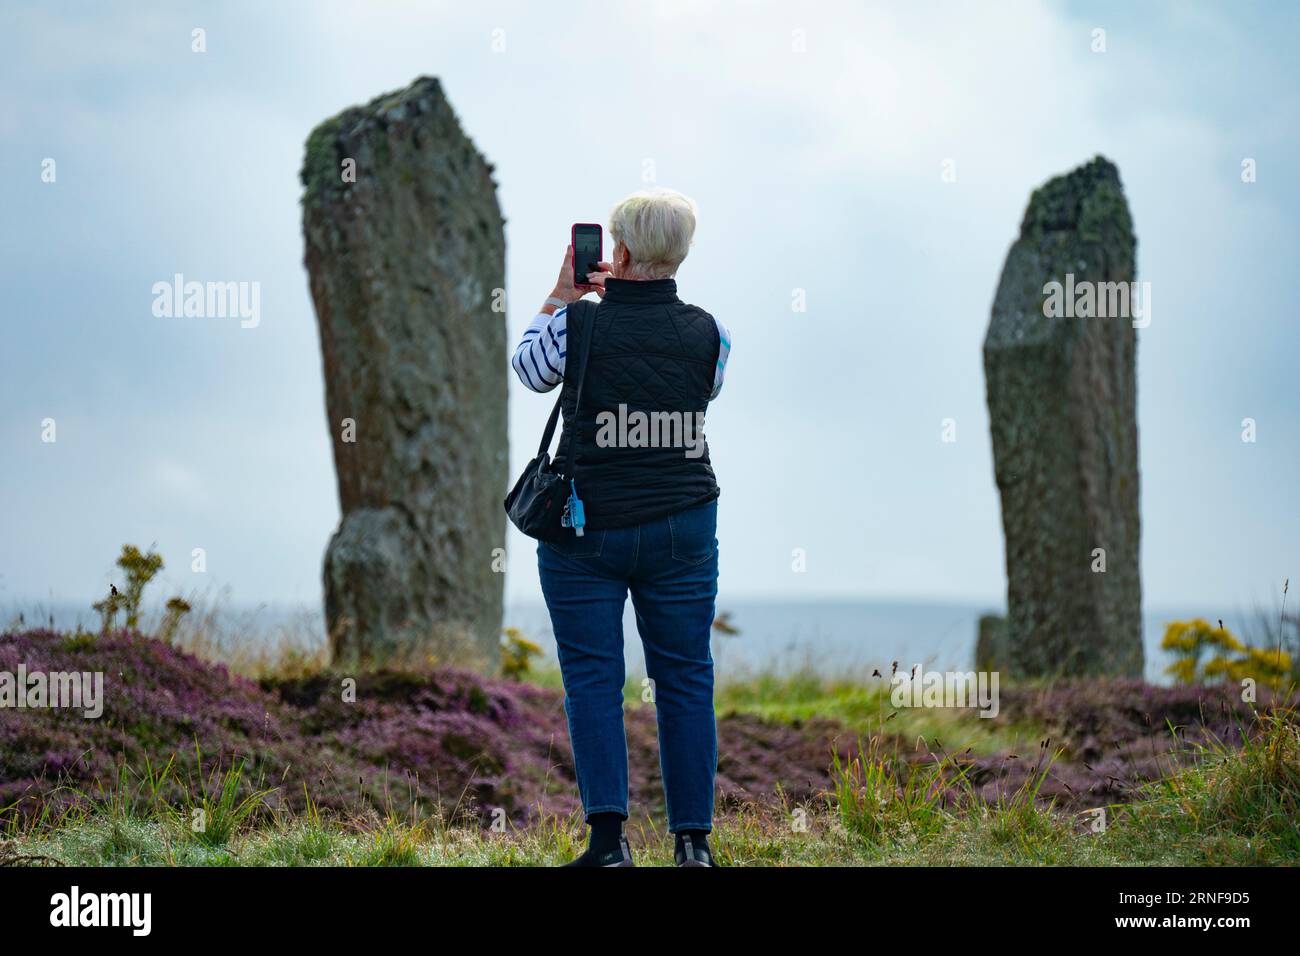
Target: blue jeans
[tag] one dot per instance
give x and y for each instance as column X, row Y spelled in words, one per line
column 671, row 568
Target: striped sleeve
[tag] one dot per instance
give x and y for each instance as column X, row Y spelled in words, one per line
column 539, row 358
column 724, row 352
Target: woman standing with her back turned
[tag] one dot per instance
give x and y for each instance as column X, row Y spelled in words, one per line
column 651, row 518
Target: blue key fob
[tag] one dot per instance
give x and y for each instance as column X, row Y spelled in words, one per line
column 577, row 517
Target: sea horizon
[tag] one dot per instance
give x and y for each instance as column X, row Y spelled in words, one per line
column 831, row 636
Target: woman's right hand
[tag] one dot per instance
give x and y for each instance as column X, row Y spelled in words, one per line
column 565, row 287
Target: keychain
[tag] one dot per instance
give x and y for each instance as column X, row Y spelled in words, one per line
column 573, row 516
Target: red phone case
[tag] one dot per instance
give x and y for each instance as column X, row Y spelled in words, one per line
column 600, row 253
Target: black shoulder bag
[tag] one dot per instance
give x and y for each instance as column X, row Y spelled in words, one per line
column 537, row 502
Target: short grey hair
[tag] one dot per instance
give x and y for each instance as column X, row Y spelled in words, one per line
column 657, row 227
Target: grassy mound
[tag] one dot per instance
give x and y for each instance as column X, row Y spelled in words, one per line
column 1079, row 745
column 445, row 742
column 447, row 767
column 1235, row 807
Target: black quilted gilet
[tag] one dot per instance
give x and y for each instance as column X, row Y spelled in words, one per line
column 655, row 355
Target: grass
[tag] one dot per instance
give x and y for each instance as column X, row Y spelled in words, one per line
column 1234, row 807
column 1240, row 806
column 863, row 706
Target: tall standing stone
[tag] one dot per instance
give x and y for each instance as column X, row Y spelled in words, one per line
column 1062, row 396
column 406, row 256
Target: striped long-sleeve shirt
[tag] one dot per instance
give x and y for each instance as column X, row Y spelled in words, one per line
column 539, row 358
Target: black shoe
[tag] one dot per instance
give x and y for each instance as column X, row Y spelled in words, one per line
column 626, row 851
column 622, row 856
column 690, row 854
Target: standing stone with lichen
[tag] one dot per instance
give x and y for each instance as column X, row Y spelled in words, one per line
column 406, row 256
column 1062, row 397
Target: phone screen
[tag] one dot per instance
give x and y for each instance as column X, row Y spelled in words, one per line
column 586, row 251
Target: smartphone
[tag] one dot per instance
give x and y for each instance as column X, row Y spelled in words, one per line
column 587, row 245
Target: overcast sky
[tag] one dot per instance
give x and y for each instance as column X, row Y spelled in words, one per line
column 816, row 169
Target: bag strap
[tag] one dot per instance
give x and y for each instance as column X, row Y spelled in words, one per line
column 573, row 318
column 587, row 327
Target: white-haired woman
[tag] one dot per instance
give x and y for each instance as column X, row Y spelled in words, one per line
column 641, row 469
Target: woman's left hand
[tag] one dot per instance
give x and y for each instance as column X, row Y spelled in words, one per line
column 597, row 279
